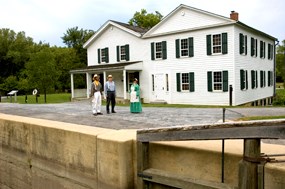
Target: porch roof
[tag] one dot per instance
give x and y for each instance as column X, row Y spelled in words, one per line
column 136, row 65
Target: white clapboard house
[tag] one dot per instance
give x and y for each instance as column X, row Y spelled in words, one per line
column 191, row 57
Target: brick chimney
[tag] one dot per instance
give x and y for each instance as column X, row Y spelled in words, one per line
column 234, row 15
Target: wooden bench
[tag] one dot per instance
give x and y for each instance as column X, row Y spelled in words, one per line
column 250, row 167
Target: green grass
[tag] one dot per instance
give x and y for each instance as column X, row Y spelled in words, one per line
column 51, row 98
column 279, row 99
column 260, row 118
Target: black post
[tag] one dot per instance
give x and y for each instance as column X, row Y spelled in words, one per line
column 223, row 149
column 0, row 98
column 231, row 95
column 26, row 98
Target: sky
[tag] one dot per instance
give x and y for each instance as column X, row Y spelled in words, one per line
column 48, row 20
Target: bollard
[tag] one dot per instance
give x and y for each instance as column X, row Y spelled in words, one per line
column 0, row 98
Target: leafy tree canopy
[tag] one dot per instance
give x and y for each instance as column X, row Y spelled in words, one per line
column 75, row 38
column 145, row 20
column 280, row 62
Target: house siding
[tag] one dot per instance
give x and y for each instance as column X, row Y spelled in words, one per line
column 190, row 20
column 247, row 62
column 199, row 64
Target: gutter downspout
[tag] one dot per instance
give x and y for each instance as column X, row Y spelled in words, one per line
column 274, row 69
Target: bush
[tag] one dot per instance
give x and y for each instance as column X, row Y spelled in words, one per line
column 279, row 99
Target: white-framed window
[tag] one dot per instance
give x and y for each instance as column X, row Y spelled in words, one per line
column 185, row 81
column 262, row 49
column 167, row 82
column 184, row 49
column 217, row 43
column 253, row 47
column 158, row 50
column 123, row 52
column 217, row 81
column 103, row 55
column 243, row 44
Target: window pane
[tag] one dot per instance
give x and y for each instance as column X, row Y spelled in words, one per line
column 217, row 43
column 123, row 53
column 185, row 81
column 103, row 55
column 217, row 81
column 184, row 47
column 158, row 50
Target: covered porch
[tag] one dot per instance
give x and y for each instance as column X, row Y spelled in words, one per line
column 123, row 75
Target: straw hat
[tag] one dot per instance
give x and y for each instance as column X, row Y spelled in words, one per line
column 95, row 75
column 109, row 76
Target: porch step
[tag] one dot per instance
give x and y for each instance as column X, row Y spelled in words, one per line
column 158, row 102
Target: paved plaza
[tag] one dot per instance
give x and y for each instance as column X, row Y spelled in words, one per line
column 80, row 113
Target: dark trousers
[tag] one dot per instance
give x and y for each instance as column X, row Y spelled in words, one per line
column 110, row 98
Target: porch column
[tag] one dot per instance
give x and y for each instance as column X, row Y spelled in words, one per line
column 72, row 86
column 88, row 84
column 125, row 84
column 105, row 79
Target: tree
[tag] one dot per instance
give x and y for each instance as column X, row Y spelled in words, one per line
column 41, row 70
column 280, row 63
column 10, row 83
column 75, row 38
column 145, row 20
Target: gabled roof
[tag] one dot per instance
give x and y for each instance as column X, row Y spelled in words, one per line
column 224, row 20
column 227, row 21
column 134, row 30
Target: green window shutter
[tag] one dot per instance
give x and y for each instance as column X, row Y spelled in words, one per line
column 252, row 46
column 256, row 48
column 225, row 81
column 224, row 43
column 192, row 82
column 191, row 46
column 246, row 80
column 271, row 52
column 242, row 86
column 127, row 52
column 177, row 46
column 245, row 46
column 256, row 77
column 210, row 82
column 261, row 78
column 164, row 50
column 268, row 51
column 268, row 78
column 99, row 57
column 209, row 44
column 118, row 53
column 241, row 37
column 178, row 83
column 107, row 54
column 261, row 49
column 264, row 50
column 252, row 79
column 152, row 51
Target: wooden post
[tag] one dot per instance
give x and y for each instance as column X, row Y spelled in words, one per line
column 142, row 163
column 248, row 167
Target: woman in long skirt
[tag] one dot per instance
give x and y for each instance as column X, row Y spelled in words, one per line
column 135, row 105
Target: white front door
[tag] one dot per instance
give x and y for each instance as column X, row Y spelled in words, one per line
column 159, row 86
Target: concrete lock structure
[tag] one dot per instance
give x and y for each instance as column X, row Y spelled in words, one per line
column 36, row 153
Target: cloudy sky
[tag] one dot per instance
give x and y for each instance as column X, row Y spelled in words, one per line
column 47, row 20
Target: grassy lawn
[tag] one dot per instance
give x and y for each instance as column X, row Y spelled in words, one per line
column 51, row 98
column 260, row 118
column 279, row 100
